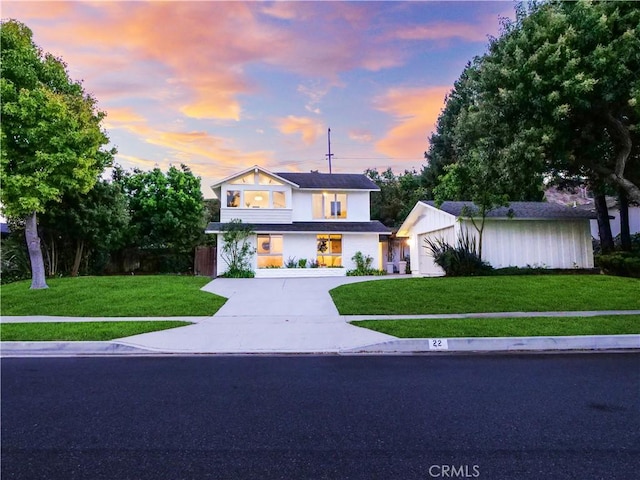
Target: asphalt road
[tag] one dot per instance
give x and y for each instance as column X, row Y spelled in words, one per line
column 510, row 417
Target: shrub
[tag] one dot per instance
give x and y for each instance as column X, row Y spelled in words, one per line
column 237, row 250
column 623, row 264
column 302, row 263
column 291, row 263
column 363, row 266
column 14, row 259
column 458, row 261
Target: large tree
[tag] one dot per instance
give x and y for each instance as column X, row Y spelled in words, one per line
column 167, row 210
column 559, row 94
column 51, row 138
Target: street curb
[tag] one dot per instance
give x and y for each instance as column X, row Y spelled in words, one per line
column 504, row 344
column 392, row 347
column 65, row 349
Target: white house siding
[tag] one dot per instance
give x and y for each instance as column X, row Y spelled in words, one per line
column 368, row 244
column 539, row 243
column 299, row 245
column 256, row 215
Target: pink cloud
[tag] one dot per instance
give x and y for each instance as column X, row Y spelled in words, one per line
column 360, row 135
column 308, row 128
column 415, row 112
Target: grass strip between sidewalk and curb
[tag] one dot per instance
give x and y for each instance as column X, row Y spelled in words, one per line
column 81, row 331
column 506, row 327
column 535, row 293
column 113, row 296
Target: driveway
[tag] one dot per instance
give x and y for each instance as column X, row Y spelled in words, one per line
column 267, row 316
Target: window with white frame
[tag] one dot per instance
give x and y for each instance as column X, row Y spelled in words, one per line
column 329, row 250
column 329, row 206
column 269, row 251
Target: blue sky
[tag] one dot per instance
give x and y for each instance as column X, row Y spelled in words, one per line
column 221, row 86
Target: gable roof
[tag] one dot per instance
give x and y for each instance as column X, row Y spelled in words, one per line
column 529, row 210
column 346, row 181
column 250, row 169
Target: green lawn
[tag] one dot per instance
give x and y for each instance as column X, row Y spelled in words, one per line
column 488, row 294
column 115, row 296
column 506, row 327
column 80, row 331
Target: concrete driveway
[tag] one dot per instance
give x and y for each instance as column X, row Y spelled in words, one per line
column 267, row 316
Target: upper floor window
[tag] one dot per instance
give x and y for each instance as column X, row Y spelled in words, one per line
column 233, row 198
column 329, row 205
column 256, row 199
column 255, row 178
column 279, row 200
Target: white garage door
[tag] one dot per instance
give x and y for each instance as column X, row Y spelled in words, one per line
column 427, row 266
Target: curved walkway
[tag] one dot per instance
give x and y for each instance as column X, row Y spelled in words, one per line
column 264, row 315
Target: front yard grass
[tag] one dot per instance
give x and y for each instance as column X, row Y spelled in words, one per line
column 535, row 293
column 506, row 327
column 81, row 331
column 113, row 296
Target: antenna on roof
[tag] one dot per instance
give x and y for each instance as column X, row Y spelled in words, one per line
column 329, row 155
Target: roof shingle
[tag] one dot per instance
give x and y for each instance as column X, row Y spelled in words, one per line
column 347, row 181
column 517, row 210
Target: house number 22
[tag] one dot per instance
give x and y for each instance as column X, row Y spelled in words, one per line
column 438, row 344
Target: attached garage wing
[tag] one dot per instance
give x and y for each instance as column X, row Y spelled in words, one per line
column 426, row 264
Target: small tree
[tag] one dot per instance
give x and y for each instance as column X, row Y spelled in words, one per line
column 237, row 250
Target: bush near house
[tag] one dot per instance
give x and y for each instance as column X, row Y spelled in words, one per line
column 462, row 260
column 624, row 264
column 363, row 266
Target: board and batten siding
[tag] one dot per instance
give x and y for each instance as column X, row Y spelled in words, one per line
column 535, row 243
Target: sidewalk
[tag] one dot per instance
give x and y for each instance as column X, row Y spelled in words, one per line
column 288, row 316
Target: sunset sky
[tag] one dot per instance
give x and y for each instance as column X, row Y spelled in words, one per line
column 221, row 86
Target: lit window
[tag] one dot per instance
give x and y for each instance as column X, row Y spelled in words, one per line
column 233, row 198
column 256, row 199
column 248, row 179
column 329, row 205
column 329, row 250
column 267, row 180
column 279, row 200
column 269, row 251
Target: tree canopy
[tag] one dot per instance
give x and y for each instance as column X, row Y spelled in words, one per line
column 167, row 210
column 51, row 138
column 557, row 95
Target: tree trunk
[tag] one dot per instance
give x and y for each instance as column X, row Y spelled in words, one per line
column 625, row 232
column 38, row 280
column 76, row 262
column 604, row 227
column 622, row 137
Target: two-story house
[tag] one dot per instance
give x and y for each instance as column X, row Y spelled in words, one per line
column 320, row 217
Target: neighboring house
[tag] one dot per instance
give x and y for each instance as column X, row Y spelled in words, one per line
column 524, row 234
column 320, row 217
column 579, row 197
